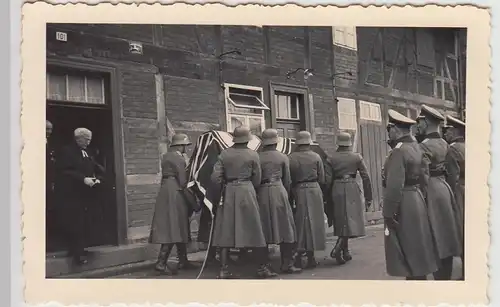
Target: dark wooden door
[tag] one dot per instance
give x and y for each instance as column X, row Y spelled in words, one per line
column 65, row 119
column 288, row 129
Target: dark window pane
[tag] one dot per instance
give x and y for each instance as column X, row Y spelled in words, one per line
column 56, row 87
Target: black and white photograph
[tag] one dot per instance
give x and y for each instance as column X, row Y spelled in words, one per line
column 255, row 152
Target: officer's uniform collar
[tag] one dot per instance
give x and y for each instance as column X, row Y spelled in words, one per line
column 433, row 135
column 459, row 139
column 405, row 139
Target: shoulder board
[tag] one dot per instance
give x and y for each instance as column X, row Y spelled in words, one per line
column 425, row 141
column 399, row 145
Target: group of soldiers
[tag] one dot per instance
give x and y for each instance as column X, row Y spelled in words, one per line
column 422, row 206
column 258, row 189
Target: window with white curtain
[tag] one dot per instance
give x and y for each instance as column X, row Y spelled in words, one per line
column 245, row 107
column 75, row 87
column 287, row 106
column 347, row 114
column 345, row 37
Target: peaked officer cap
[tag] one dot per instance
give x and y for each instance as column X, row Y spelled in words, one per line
column 180, row 139
column 269, row 137
column 454, row 122
column 241, row 135
column 303, row 138
column 344, row 139
column 429, row 112
column 399, row 119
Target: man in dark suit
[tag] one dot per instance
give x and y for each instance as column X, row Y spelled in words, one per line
column 76, row 187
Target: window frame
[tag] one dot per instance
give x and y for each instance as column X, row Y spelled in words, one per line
column 353, row 115
column 77, row 73
column 297, row 105
column 442, row 75
column 369, row 105
column 347, row 31
column 247, row 116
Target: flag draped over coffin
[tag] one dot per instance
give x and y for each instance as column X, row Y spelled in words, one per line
column 206, row 151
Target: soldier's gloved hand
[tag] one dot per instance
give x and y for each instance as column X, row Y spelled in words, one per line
column 391, row 222
column 89, row 181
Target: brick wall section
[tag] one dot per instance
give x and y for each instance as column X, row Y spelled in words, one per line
column 186, row 56
column 140, row 133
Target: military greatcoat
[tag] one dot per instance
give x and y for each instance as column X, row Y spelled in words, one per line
column 455, row 169
column 170, row 220
column 348, row 206
column 238, row 222
column 307, row 172
column 440, row 199
column 275, row 210
column 409, row 246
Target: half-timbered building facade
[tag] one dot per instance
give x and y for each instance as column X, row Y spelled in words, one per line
column 135, row 85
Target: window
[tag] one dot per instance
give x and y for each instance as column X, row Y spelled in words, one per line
column 345, row 37
column 75, row 87
column 287, row 106
column 347, row 114
column 369, row 111
column 245, row 107
column 446, row 74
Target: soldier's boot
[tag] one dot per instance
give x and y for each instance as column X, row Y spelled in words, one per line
column 224, row 270
column 161, row 264
column 162, row 258
column 346, row 254
column 297, row 261
column 212, row 256
column 311, row 261
column 184, row 263
column 445, row 269
column 336, row 252
column 265, row 270
column 286, row 251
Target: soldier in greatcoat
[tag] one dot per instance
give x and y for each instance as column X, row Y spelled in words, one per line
column 409, row 246
column 440, row 199
column 455, row 169
column 307, row 172
column 273, row 196
column 170, row 225
column 238, row 223
column 348, row 209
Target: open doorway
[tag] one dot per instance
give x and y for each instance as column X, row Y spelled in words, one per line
column 65, row 116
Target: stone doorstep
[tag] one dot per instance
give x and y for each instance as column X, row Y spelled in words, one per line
column 120, row 260
column 106, row 258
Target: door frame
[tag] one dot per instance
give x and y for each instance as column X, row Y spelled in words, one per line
column 118, row 152
column 292, row 89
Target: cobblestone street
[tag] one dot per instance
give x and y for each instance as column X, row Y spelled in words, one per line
column 368, row 263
